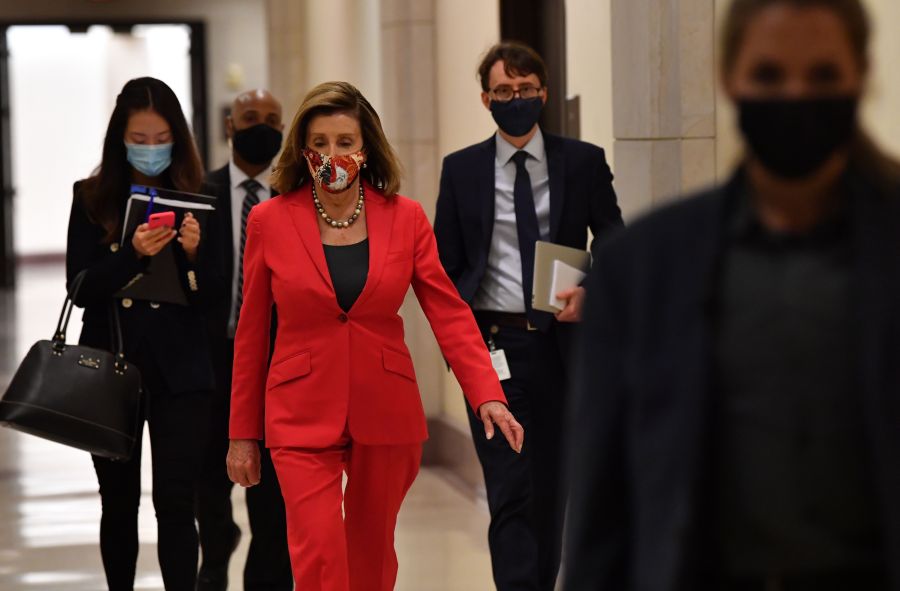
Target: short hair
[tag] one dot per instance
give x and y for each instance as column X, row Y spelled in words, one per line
column 382, row 169
column 518, row 60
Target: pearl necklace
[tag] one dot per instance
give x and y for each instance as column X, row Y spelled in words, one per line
column 337, row 223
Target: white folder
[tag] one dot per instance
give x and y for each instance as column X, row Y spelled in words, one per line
column 556, row 268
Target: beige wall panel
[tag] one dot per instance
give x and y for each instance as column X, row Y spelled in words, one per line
column 882, row 112
column 464, row 30
column 645, row 53
column 589, row 74
column 698, row 164
column 697, row 68
column 646, row 172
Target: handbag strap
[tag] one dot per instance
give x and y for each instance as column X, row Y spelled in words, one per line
column 59, row 337
column 118, row 342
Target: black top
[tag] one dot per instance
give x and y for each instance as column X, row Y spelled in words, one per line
column 794, row 487
column 348, row 266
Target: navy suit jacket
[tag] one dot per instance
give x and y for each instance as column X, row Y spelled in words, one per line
column 641, row 419
column 219, row 181
column 581, row 197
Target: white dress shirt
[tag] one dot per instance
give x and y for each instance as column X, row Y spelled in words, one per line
column 238, row 193
column 501, row 288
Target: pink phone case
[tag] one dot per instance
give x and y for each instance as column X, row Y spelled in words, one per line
column 164, row 218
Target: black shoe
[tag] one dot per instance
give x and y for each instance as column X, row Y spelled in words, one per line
column 216, row 578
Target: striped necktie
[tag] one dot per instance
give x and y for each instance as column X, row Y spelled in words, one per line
column 251, row 199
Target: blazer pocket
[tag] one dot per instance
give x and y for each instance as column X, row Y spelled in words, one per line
column 398, row 363
column 398, row 255
column 291, row 368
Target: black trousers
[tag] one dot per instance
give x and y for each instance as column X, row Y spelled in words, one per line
column 268, row 566
column 525, row 494
column 177, row 435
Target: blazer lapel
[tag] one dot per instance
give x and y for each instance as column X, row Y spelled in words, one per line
column 486, row 192
column 556, row 168
column 303, row 216
column 379, row 224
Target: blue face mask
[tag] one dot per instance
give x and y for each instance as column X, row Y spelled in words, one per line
column 149, row 160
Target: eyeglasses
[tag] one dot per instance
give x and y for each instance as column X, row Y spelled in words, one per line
column 504, row 93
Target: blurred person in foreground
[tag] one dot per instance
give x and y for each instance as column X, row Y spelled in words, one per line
column 738, row 392
column 337, row 253
column 254, row 127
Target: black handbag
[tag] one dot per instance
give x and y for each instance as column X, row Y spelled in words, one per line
column 74, row 395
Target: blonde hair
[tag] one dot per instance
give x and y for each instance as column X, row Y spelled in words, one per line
column 382, row 169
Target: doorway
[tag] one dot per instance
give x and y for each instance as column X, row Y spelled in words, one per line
column 58, row 86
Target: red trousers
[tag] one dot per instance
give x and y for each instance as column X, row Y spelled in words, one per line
column 353, row 550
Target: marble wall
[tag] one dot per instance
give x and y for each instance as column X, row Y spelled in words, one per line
column 664, row 99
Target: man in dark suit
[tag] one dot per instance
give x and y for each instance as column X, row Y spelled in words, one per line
column 497, row 198
column 255, row 129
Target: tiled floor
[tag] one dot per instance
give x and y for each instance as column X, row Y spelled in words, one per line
column 50, row 510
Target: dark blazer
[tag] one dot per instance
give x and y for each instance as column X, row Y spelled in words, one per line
column 219, row 182
column 581, row 197
column 172, row 335
column 643, row 391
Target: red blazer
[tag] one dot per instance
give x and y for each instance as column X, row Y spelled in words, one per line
column 331, row 369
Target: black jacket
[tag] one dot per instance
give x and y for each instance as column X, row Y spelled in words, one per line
column 643, row 390
column 581, row 197
column 219, row 183
column 172, row 335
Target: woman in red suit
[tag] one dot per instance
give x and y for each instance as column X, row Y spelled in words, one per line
column 336, row 255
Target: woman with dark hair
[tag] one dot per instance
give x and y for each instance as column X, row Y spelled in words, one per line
column 148, row 142
column 736, row 413
column 337, row 254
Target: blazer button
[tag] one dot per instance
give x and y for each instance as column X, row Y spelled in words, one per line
column 114, row 247
column 154, row 305
column 127, row 302
column 343, row 318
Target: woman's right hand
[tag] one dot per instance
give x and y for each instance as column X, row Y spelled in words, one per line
column 148, row 243
column 243, row 462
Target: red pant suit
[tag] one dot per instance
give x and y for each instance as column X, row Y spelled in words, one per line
column 341, row 392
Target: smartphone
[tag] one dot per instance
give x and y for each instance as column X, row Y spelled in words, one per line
column 161, row 219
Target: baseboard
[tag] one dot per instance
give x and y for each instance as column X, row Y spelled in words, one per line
column 42, row 258
column 449, row 447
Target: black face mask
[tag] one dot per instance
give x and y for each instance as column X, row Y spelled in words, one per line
column 518, row 116
column 794, row 138
column 257, row 144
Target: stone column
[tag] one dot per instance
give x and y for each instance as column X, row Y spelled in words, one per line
column 287, row 71
column 664, row 99
column 409, row 114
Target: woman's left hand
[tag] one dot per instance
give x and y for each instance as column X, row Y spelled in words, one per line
column 189, row 236
column 496, row 413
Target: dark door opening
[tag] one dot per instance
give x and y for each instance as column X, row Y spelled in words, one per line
column 58, row 83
